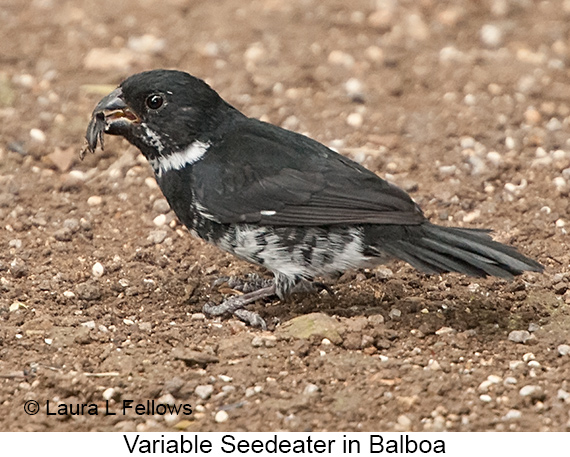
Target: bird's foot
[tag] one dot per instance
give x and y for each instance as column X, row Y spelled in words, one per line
column 311, row 287
column 251, row 283
column 235, row 305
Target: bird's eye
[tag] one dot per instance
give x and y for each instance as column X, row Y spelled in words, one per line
column 154, row 101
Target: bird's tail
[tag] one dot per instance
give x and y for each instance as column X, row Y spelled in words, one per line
column 434, row 249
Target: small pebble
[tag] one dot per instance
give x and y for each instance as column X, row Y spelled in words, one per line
column 528, row 357
column 68, row 294
column 433, row 365
column 204, row 391
column 221, row 416
column 38, row 135
column 395, row 313
column 534, row 392
column 491, row 36
column 108, row 394
column 159, row 220
column 563, row 349
column 94, row 200
column 98, row 270
column 355, row 120
column 310, row 389
column 404, row 422
column 157, row 236
column 88, row 324
column 519, row 336
column 160, row 205
column 485, row 398
column 509, row 381
column 512, row 414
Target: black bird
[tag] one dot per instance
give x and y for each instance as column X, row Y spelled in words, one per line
column 277, row 198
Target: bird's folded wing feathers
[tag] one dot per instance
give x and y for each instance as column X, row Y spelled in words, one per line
column 262, row 182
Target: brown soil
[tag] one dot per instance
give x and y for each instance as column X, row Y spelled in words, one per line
column 465, row 104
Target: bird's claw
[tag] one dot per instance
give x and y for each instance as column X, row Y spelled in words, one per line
column 235, row 305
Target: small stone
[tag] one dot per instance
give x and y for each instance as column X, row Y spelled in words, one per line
column 18, row 268
column 15, row 243
column 519, row 336
column 88, row 291
column 532, row 116
column 221, row 416
column 512, row 414
column 394, row 314
column 88, row 324
column 191, row 357
column 108, row 394
column 515, row 364
column 554, row 124
column 532, row 327
column 445, row 331
column 97, row 270
column 310, row 389
column 534, row 364
column 485, row 398
column 563, row 395
column 225, row 378
column 94, row 200
column 160, row 205
column 309, row 325
column 63, row 234
column 157, row 236
column 532, row 391
column 159, row 220
column 204, row 391
column 404, row 422
column 68, row 294
column 433, row 365
column 198, row 317
column 15, row 306
column 510, row 381
column 491, row 36
column 355, row 120
column 145, row 326
column 528, row 357
column 563, row 349
column 37, row 135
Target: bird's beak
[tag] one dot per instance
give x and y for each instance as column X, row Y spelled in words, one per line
column 112, row 116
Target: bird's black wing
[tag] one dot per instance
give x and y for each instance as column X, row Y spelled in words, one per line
column 263, row 174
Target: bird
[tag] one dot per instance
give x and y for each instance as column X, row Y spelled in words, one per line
column 279, row 199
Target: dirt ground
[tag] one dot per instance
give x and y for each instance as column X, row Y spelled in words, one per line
column 464, row 104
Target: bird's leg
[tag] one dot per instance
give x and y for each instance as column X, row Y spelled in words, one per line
column 252, row 282
column 235, row 305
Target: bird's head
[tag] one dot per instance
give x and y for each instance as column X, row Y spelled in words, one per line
column 158, row 111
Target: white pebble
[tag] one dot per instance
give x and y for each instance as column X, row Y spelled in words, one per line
column 88, row 324
column 554, row 124
column 433, row 365
column 108, row 393
column 221, row 416
column 528, row 357
column 255, row 52
column 559, row 182
column 563, row 349
column 94, row 200
column 353, row 87
column 510, row 142
column 38, row 135
column 159, row 220
column 495, row 158
column 531, row 390
column 491, row 35
column 560, row 223
column 98, row 270
column 515, row 364
column 509, row 381
column 485, row 398
column 534, row 364
column 68, row 294
column 355, row 120
column 310, row 389
column 512, row 414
